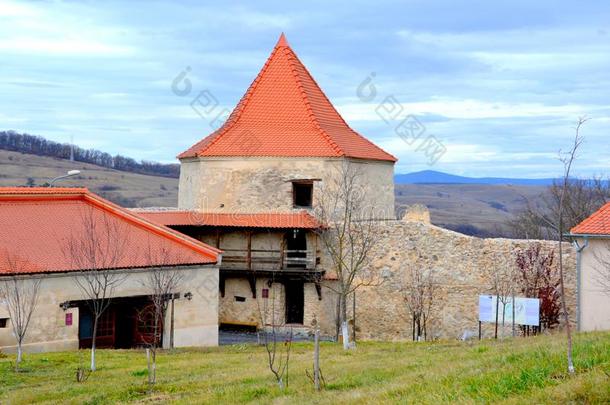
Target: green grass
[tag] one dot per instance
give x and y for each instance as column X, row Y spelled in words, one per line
column 528, row 370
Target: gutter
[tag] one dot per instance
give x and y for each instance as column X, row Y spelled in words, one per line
column 579, row 250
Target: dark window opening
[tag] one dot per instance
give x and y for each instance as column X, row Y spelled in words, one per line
column 240, row 299
column 3, row 322
column 302, row 194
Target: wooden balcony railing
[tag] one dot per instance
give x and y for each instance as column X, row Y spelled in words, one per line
column 268, row 259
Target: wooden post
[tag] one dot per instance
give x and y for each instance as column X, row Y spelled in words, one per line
column 316, row 359
column 282, row 252
column 479, row 330
column 249, row 254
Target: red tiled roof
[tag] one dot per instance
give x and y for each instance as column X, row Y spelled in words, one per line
column 597, row 224
column 285, row 113
column 39, row 224
column 299, row 219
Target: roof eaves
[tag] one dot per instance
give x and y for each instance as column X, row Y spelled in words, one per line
column 158, row 229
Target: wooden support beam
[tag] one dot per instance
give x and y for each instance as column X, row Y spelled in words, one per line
column 221, row 282
column 318, row 289
column 282, row 251
column 249, row 252
column 252, row 282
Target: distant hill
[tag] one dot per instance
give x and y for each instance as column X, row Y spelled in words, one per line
column 434, row 177
column 124, row 188
column 474, row 209
column 37, row 145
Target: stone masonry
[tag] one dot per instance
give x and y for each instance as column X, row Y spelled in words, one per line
column 463, row 266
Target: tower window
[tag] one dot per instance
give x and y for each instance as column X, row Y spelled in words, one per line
column 302, row 194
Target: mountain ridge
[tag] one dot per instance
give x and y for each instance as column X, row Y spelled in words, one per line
column 436, row 177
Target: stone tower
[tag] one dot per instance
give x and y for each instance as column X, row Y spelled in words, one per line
column 281, row 142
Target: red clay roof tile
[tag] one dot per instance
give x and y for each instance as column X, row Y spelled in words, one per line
column 299, row 219
column 597, row 224
column 285, row 113
column 37, row 225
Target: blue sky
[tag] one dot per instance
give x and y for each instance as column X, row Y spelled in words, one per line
column 499, row 85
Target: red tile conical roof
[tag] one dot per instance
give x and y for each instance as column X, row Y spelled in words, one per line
column 285, row 113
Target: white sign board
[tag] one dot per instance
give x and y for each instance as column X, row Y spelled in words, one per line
column 527, row 310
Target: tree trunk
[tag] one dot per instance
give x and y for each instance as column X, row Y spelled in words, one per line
column 93, row 339
column 148, row 364
column 413, row 326
column 514, row 331
column 565, row 308
column 344, row 326
column 153, row 376
column 338, row 319
column 497, row 308
column 19, row 355
column 171, row 329
column 316, row 359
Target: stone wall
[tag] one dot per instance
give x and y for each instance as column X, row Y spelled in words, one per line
column 252, row 311
column 463, row 267
column 254, row 185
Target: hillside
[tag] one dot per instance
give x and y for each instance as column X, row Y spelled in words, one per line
column 124, row 188
column 474, row 209
column 479, row 209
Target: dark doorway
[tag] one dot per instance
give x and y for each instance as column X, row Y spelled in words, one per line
column 296, row 248
column 295, row 301
column 125, row 324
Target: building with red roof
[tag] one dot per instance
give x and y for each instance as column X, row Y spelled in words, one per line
column 252, row 185
column 592, row 242
column 60, row 234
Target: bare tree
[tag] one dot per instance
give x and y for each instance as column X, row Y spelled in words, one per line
column 277, row 344
column 97, row 250
column 418, row 291
column 567, row 159
column 21, row 295
column 581, row 199
column 502, row 278
column 349, row 235
column 162, row 283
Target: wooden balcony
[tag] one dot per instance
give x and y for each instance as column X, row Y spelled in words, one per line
column 268, row 259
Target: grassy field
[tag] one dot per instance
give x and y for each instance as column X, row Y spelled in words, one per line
column 528, row 370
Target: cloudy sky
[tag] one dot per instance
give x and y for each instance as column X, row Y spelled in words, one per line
column 499, row 86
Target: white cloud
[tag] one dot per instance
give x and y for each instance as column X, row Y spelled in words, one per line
column 464, row 109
